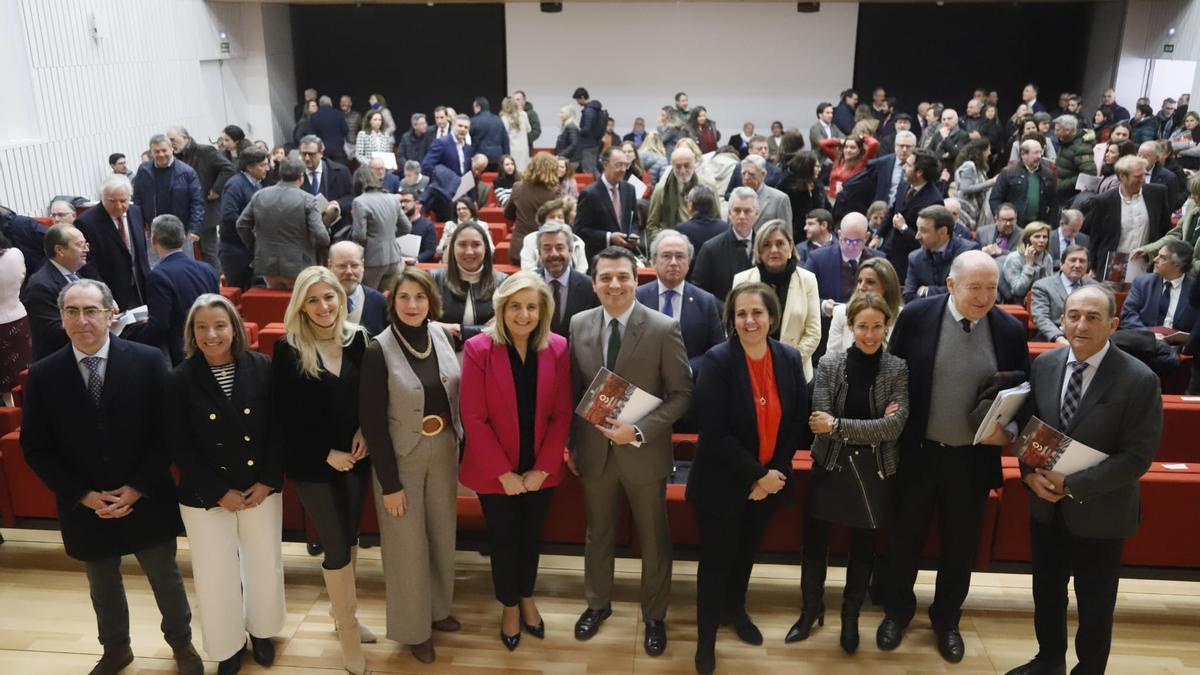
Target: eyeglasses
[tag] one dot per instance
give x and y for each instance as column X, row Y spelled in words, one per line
column 853, row 242
column 673, row 257
column 88, row 313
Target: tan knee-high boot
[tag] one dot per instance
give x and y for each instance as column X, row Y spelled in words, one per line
column 364, row 634
column 343, row 598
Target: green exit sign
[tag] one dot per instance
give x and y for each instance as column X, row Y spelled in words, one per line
column 1168, row 48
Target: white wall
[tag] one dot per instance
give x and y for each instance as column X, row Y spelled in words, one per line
column 86, row 98
column 742, row 61
column 1146, row 27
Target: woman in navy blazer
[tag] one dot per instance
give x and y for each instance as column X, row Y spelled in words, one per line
column 516, row 411
column 736, row 481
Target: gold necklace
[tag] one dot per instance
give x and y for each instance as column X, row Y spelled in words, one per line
column 414, row 352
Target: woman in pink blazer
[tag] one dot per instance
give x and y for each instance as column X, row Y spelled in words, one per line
column 516, row 410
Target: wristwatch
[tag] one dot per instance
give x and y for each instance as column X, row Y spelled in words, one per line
column 1067, row 491
column 637, row 435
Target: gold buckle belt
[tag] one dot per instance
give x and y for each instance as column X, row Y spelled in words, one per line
column 432, row 425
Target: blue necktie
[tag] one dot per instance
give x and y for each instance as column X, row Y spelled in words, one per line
column 669, row 303
column 1164, row 303
column 71, row 276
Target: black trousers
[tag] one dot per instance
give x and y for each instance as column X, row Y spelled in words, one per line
column 514, row 528
column 946, row 478
column 728, row 543
column 336, row 509
column 1096, row 564
column 112, row 609
column 816, row 564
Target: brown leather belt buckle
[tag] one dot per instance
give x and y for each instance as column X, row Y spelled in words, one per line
column 432, row 425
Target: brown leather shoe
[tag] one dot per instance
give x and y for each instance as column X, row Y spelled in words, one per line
column 423, row 652
column 447, row 625
column 187, row 661
column 113, row 661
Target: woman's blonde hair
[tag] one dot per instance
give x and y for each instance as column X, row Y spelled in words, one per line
column 653, row 142
column 1030, row 230
column 509, row 111
column 300, row 334
column 572, row 114
column 542, row 170
column 515, row 283
column 763, row 235
column 690, row 145
column 240, row 342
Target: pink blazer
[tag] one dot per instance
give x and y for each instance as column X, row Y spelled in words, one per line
column 488, row 405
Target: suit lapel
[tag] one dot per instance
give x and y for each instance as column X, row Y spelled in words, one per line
column 633, row 335
column 116, row 361
column 500, row 370
column 1101, row 382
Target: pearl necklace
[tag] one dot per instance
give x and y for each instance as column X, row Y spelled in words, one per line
column 414, row 352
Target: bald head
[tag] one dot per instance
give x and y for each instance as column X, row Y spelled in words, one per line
column 683, row 163
column 852, row 235
column 972, row 283
column 346, row 263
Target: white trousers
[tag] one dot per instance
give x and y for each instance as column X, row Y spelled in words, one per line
column 237, row 565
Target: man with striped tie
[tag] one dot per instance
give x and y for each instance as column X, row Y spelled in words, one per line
column 1104, row 398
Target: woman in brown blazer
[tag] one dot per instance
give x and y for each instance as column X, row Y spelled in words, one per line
column 538, row 185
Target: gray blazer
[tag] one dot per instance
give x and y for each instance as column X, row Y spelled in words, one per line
column 378, row 220
column 1049, row 301
column 816, row 134
column 881, row 433
column 283, row 227
column 653, row 358
column 987, row 235
column 1121, row 415
column 772, row 204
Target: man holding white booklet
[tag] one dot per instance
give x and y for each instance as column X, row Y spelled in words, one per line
column 1109, row 401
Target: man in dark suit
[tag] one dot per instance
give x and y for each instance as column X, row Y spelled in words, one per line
column 705, row 222
column 722, row 257
column 889, row 169
column 451, row 151
column 1049, row 295
column 836, row 267
column 918, row 190
column 940, row 466
column 27, row 235
column 929, row 265
column 646, row 349
column 116, row 235
column 415, row 142
column 1078, row 523
column 696, row 310
column 1067, row 234
column 66, row 252
column 843, row 114
column 365, row 306
column 607, row 211
column 572, row 289
column 1129, row 217
column 818, row 234
column 1160, row 298
column 323, row 177
column 213, row 171
column 236, row 259
column 1160, row 175
column 171, row 288
column 165, row 184
column 420, row 226
column 487, row 133
column 1002, row 237
column 330, row 124
column 92, row 431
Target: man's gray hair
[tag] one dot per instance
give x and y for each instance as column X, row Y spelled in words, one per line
column 182, row 131
column 417, row 117
column 167, row 230
column 757, row 162
column 313, row 138
column 116, row 182
column 743, row 192
column 554, row 227
column 158, row 138
column 1070, row 216
column 464, row 117
column 1067, row 122
column 106, row 296
column 1101, row 289
column 905, row 134
column 669, row 233
column 325, row 101
column 412, row 165
column 50, row 211
column 290, row 170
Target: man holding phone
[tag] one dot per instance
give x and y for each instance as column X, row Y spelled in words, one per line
column 607, row 212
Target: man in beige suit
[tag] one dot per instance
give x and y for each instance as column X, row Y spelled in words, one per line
column 646, row 348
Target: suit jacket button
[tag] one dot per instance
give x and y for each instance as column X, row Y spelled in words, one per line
column 246, row 438
column 246, row 411
column 249, row 462
column 212, row 416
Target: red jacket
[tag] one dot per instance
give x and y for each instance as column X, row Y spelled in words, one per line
column 841, row 171
column 488, row 404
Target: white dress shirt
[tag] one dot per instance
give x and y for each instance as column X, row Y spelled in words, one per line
column 1089, row 373
column 1135, row 221
column 1176, row 291
column 958, row 317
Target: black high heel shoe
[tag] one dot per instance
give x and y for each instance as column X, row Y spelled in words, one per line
column 803, row 626
column 538, row 631
column 510, row 641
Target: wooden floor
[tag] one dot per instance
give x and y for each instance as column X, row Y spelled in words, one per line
column 47, row 625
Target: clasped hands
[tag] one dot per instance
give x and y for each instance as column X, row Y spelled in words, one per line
column 249, row 498
column 1046, row 485
column 520, row 483
column 821, row 422
column 116, row 503
column 767, row 485
column 345, row 461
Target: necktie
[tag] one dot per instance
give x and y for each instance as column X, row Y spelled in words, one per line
column 966, row 325
column 312, row 182
column 123, row 231
column 350, row 304
column 1074, row 390
column 669, row 303
column 71, row 276
column 616, row 204
column 1164, row 303
column 745, row 244
column 614, row 344
column 94, row 384
column 559, row 303
column 908, row 195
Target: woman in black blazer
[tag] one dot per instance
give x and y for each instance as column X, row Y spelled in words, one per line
column 230, row 477
column 316, row 370
column 467, row 282
column 753, row 409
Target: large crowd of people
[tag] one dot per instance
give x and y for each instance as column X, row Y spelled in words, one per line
column 835, row 290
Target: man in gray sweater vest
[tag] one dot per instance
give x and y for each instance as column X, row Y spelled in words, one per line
column 953, row 345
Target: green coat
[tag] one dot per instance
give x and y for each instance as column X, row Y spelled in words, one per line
column 1189, row 220
column 1074, row 157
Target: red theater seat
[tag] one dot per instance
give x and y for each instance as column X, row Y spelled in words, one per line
column 232, row 294
column 264, row 306
column 1180, row 440
column 30, row 497
column 268, row 336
